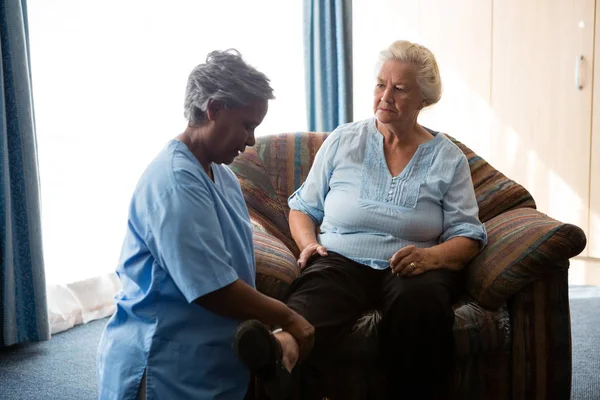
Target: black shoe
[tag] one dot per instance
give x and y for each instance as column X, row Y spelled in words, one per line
column 256, row 347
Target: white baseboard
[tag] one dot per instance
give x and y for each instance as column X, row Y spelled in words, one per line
column 584, row 271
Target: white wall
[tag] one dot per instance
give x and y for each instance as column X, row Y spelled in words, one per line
column 461, row 43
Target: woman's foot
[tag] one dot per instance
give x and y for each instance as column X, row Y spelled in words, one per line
column 264, row 354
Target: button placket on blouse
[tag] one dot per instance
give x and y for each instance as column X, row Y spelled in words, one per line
column 392, row 189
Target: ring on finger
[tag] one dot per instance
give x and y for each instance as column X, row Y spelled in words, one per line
column 412, row 266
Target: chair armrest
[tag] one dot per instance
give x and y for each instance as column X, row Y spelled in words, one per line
column 541, row 339
column 523, row 246
column 276, row 266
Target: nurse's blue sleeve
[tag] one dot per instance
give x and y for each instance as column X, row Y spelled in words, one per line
column 185, row 237
column 309, row 198
column 461, row 213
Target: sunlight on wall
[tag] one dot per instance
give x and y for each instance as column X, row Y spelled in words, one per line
column 584, row 271
column 109, row 80
column 512, row 146
column 461, row 112
column 566, row 204
column 464, row 110
column 577, row 272
column 533, row 161
column 594, row 230
column 372, row 33
column 553, row 194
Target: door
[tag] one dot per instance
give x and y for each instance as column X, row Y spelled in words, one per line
column 594, row 227
column 542, row 62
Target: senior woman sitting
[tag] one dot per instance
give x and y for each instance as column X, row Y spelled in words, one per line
column 387, row 218
column 187, row 265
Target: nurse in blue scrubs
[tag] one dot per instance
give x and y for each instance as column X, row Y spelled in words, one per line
column 187, row 264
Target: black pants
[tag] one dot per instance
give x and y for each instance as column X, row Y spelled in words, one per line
column 416, row 327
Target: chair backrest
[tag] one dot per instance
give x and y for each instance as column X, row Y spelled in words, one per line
column 278, row 164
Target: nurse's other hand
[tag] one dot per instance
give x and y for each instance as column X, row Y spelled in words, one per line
column 303, row 332
column 308, row 252
column 290, row 349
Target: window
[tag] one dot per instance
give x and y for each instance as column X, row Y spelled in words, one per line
column 109, row 80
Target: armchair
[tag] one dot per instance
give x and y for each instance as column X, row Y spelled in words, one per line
column 512, row 327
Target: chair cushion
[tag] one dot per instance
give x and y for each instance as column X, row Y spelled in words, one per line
column 276, row 266
column 523, row 245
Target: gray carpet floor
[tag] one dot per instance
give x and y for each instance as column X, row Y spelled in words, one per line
column 64, row 367
column 585, row 331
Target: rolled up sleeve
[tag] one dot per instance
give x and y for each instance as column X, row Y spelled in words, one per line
column 309, row 198
column 460, row 210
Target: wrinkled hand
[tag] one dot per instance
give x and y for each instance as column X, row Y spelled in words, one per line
column 411, row 261
column 303, row 332
column 308, row 252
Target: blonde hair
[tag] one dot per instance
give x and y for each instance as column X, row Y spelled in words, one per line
column 428, row 73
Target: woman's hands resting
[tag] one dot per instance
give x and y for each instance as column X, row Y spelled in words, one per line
column 453, row 254
column 304, row 233
column 411, row 261
column 309, row 251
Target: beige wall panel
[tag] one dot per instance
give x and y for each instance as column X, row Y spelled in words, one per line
column 594, row 226
column 541, row 119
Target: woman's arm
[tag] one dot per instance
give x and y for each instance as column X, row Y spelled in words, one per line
column 308, row 202
column 453, row 254
column 304, row 232
column 303, row 228
column 240, row 301
column 463, row 234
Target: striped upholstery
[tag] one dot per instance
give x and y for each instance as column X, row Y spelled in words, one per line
column 522, row 275
column 276, row 266
column 264, row 202
column 522, row 246
column 541, row 345
column 287, row 159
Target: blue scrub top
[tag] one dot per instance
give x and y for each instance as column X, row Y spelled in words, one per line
column 186, row 236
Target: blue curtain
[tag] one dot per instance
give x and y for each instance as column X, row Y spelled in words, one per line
column 23, row 309
column 328, row 59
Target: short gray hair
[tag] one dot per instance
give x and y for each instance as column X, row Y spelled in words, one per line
column 428, row 73
column 225, row 77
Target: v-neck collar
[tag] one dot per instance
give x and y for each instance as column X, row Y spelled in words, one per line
column 420, row 148
column 189, row 153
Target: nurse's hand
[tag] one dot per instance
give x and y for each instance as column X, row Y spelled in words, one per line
column 303, row 332
column 308, row 252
